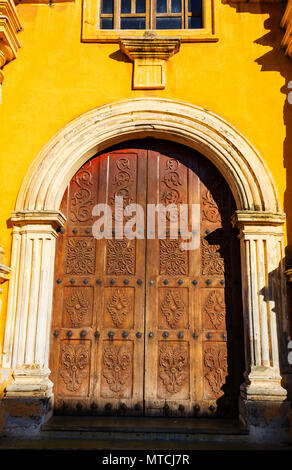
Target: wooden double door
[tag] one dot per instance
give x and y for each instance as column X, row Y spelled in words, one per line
column 140, row 326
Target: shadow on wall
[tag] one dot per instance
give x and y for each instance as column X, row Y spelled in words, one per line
column 276, row 61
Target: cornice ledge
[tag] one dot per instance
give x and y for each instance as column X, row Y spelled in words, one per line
column 9, row 27
column 259, row 218
column 38, row 217
column 149, row 55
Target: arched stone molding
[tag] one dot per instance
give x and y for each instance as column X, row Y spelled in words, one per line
column 36, row 218
column 238, row 161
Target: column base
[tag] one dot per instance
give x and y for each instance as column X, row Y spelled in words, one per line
column 263, row 406
column 263, row 384
column 30, row 382
column 27, row 403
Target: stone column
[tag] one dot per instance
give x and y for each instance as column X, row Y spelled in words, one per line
column 263, row 398
column 26, row 346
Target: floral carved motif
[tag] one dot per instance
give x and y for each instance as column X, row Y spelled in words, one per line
column 80, row 257
column 74, row 366
column 171, row 181
column 119, row 307
column 117, row 363
column 122, row 180
column 210, row 208
column 82, row 200
column 120, row 257
column 172, row 259
column 216, row 361
column 215, row 308
column 172, row 307
column 212, row 263
column 77, row 307
column 173, row 363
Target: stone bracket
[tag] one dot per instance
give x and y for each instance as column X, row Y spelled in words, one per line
column 149, row 55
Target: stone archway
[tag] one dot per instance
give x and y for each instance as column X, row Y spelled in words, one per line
column 37, row 217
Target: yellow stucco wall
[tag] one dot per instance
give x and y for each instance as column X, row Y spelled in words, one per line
column 243, row 78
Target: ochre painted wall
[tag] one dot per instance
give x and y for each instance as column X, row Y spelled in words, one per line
column 242, row 78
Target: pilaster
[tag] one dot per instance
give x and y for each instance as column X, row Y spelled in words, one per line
column 265, row 317
column 26, row 343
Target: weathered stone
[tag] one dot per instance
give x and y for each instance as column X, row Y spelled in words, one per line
column 22, row 417
column 266, row 420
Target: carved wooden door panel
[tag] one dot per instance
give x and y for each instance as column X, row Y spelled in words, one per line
column 170, row 361
column 188, row 353
column 139, row 325
column 97, row 346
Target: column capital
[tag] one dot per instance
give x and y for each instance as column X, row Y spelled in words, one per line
column 241, row 219
column 38, row 217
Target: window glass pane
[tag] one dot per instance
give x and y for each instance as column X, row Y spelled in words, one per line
column 161, row 6
column 195, row 22
column 140, row 6
column 126, row 6
column 107, row 6
column 132, row 23
column 176, row 6
column 106, row 23
column 195, row 6
column 168, row 23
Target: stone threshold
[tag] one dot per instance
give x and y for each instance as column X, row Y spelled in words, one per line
column 144, row 425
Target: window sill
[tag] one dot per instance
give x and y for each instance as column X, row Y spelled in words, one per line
column 91, row 34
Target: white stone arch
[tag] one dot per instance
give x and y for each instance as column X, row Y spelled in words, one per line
column 238, row 161
column 37, row 216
